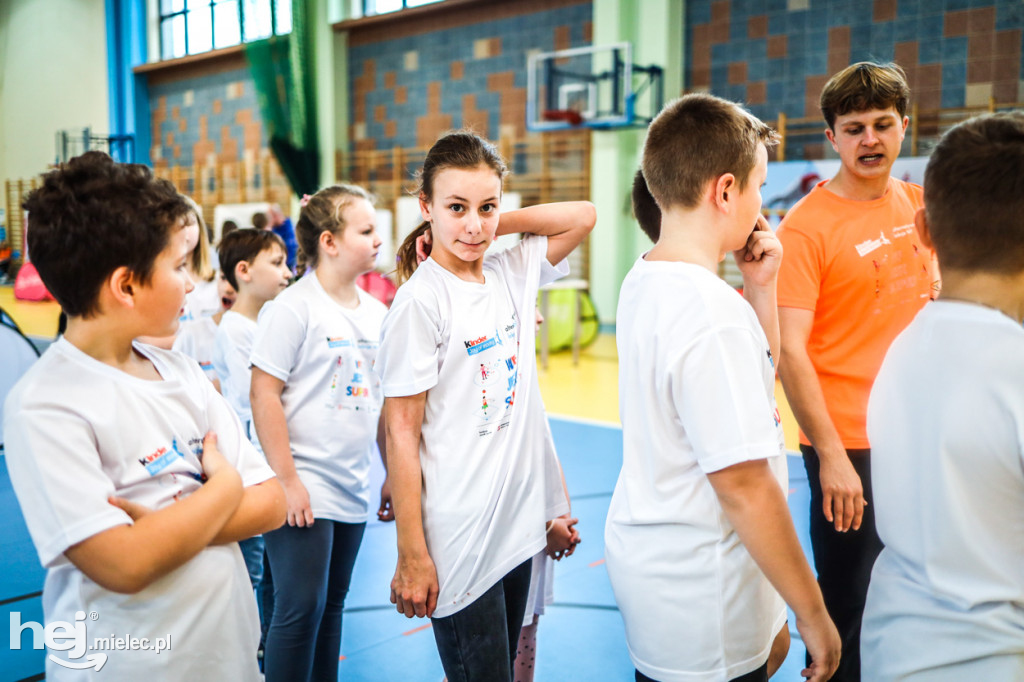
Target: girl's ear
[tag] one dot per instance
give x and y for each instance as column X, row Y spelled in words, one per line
column 328, row 243
column 424, row 207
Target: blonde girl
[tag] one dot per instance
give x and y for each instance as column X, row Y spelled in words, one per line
column 316, row 403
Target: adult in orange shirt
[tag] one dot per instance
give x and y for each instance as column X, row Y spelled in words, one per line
column 854, row 275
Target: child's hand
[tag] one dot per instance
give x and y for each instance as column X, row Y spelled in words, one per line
column 760, row 257
column 386, row 512
column 562, row 537
column 212, row 460
column 132, row 509
column 423, row 244
column 300, row 512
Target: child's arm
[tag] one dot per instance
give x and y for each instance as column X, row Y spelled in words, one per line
column 754, row 504
column 565, row 225
column 759, row 262
column 129, row 558
column 414, row 588
column 272, row 430
column 261, row 510
column 386, row 511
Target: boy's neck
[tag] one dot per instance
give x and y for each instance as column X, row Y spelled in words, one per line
column 339, row 285
column 109, row 342
column 689, row 236
column 991, row 290
column 247, row 305
column 849, row 186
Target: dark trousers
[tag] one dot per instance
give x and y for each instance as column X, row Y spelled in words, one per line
column 479, row 642
column 759, row 675
column 844, row 560
column 312, row 569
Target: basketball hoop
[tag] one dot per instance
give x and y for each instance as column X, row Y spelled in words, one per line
column 565, row 115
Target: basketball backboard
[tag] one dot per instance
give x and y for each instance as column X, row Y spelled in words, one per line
column 597, row 86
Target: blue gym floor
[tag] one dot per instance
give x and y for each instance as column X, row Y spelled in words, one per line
column 580, row 638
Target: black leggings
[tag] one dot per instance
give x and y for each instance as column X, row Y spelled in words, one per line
column 480, row 641
column 312, row 568
column 843, row 560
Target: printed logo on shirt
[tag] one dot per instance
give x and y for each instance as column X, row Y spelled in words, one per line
column 866, row 247
column 903, row 231
column 338, row 342
column 161, row 458
column 367, row 344
column 482, row 343
column 206, row 366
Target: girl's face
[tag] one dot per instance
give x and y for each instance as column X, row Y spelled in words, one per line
column 191, row 232
column 359, row 243
column 463, row 214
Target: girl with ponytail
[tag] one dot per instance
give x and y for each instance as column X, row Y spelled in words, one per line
column 471, row 482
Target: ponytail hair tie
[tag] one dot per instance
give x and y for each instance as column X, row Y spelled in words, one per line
column 304, row 201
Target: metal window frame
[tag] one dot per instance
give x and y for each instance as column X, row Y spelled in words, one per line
column 210, row 4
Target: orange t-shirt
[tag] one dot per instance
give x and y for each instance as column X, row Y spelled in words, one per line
column 861, row 268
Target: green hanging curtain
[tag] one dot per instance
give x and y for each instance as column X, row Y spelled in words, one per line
column 283, row 74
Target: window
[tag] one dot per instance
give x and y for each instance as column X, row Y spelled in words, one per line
column 194, row 26
column 371, row 7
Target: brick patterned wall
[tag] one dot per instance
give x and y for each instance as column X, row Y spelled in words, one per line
column 408, row 90
column 775, row 55
column 207, row 118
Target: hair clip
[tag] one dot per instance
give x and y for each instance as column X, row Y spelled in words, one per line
column 304, row 201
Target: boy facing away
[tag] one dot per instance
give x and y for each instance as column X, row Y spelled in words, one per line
column 699, row 542
column 133, row 474
column 945, row 419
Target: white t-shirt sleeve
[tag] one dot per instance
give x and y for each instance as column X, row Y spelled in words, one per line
column 278, row 341
column 408, row 361
column 232, row 441
column 61, row 486
column 517, row 260
column 718, row 391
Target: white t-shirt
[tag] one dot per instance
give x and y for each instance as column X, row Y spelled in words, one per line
column 542, row 577
column 324, row 354
column 696, row 395
column 485, row 494
column 202, row 301
column 231, row 348
column 195, row 339
column 79, row 431
column 946, row 423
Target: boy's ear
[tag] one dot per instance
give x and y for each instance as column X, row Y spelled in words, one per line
column 120, row 287
column 242, row 271
column 722, row 188
column 830, row 135
column 921, row 225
